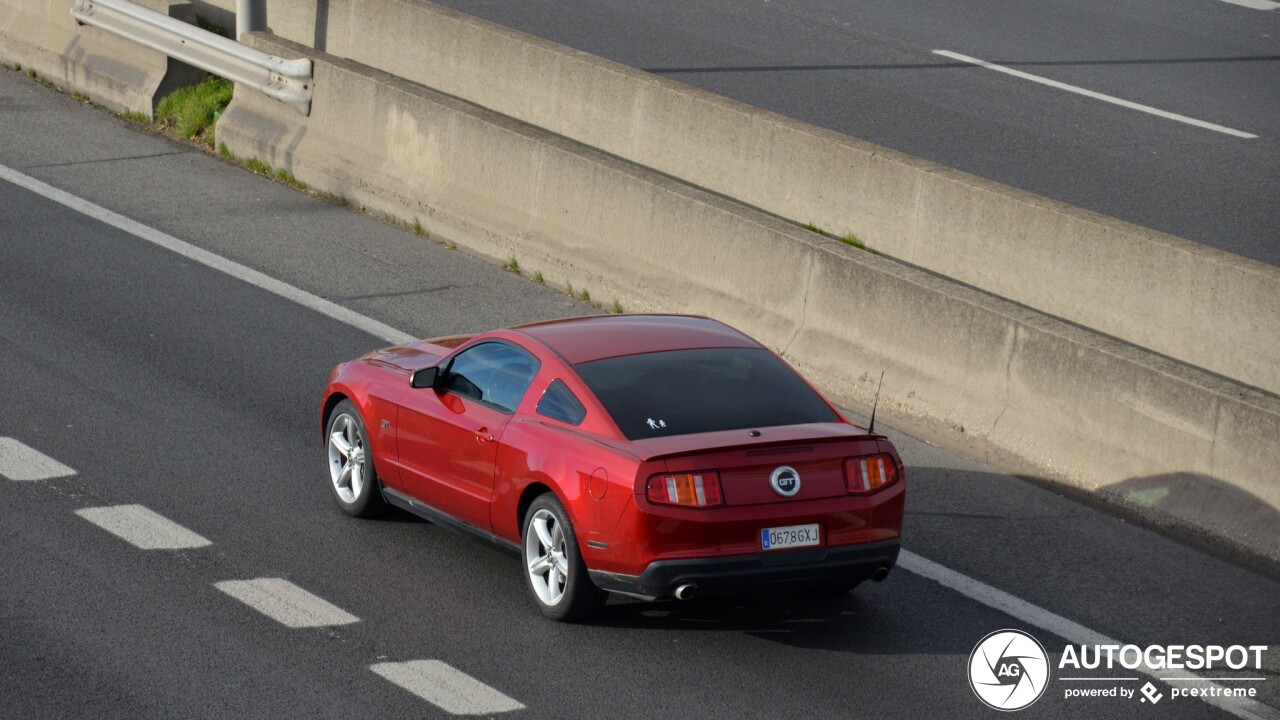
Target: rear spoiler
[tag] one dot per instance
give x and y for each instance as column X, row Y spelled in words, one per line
column 768, row 442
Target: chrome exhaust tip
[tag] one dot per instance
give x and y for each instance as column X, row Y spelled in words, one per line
column 881, row 573
column 686, row 591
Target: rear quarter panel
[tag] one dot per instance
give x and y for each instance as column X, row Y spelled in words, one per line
column 592, row 481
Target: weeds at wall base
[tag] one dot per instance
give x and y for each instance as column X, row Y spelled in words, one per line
column 849, row 239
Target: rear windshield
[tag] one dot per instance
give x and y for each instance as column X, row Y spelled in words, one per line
column 693, row 391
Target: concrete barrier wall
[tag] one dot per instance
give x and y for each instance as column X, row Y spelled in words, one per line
column 1206, row 307
column 1174, row 441
column 42, row 36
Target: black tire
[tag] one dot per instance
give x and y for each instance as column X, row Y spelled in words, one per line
column 362, row 496
column 581, row 598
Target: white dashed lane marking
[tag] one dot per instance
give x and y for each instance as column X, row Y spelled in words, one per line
column 449, row 689
column 143, row 528
column 286, row 603
column 1096, row 95
column 1255, row 4
column 24, row 464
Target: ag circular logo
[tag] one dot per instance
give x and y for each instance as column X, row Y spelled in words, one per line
column 1008, row 670
column 785, row 481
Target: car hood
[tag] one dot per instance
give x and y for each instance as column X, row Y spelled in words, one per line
column 406, row 358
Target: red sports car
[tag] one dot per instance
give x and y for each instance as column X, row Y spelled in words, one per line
column 648, row 455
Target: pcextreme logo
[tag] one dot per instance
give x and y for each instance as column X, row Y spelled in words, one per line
column 1009, row 670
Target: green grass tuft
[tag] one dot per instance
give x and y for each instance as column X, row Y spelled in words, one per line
column 814, row 228
column 617, row 308
column 285, row 177
column 333, row 198
column 256, row 165
column 512, row 265
column 853, row 241
column 418, row 229
column 135, row 116
column 585, row 296
column 537, row 277
column 31, row 73
column 193, row 111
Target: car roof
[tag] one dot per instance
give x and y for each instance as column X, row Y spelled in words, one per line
column 584, row 339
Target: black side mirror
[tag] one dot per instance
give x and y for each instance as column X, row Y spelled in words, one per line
column 427, row 377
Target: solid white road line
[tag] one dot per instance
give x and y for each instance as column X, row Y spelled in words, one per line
column 451, row 690
column 1255, row 4
column 1095, row 95
column 1073, row 633
column 21, row 463
column 286, row 603
column 204, row 257
column 285, row 598
column 143, row 528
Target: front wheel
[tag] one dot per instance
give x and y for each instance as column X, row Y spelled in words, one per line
column 351, row 474
column 554, row 570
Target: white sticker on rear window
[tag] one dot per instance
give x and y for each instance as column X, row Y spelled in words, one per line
column 655, row 424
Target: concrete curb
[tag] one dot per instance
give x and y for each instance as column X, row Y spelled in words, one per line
column 1190, row 448
column 1178, row 298
column 42, row 36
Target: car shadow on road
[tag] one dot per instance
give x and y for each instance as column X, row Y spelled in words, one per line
column 864, row 621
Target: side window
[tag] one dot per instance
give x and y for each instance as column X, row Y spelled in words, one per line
column 496, row 374
column 559, row 403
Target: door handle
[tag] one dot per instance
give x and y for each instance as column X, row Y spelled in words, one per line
column 483, row 436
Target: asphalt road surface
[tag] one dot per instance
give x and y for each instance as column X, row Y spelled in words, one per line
column 170, row 548
column 867, row 68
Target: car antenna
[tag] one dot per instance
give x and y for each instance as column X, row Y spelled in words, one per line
column 872, row 427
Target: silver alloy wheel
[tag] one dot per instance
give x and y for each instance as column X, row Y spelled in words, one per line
column 545, row 557
column 346, row 458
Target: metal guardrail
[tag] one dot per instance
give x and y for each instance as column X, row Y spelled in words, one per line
column 288, row 81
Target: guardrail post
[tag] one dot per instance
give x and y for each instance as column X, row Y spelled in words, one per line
column 248, row 16
column 288, row 81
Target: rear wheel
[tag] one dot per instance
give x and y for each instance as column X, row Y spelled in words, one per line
column 351, row 473
column 554, row 570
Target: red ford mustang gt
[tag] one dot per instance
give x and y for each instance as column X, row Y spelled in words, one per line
column 648, row 455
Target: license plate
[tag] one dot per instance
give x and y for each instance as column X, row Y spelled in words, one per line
column 789, row 537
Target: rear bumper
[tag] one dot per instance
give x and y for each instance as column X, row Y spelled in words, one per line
column 737, row 574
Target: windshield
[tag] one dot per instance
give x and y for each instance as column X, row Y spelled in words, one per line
column 693, row 391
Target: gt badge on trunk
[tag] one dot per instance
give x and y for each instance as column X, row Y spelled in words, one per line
column 785, row 481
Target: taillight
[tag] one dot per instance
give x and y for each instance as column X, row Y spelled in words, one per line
column 868, row 474
column 701, row 489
